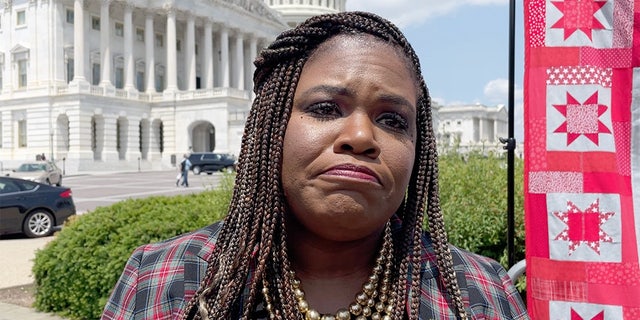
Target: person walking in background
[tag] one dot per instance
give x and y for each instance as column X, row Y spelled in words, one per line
column 185, row 165
column 180, row 167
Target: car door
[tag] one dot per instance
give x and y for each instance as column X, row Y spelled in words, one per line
column 211, row 162
column 54, row 174
column 12, row 200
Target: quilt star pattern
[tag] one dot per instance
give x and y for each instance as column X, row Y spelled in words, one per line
column 582, row 159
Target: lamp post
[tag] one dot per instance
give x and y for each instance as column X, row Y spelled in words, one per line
column 51, row 146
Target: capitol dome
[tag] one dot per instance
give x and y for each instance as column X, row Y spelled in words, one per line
column 295, row 12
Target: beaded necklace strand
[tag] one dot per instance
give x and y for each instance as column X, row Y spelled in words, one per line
column 372, row 303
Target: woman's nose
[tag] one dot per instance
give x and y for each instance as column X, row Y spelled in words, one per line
column 357, row 135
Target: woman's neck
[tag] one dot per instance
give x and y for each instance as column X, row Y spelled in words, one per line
column 331, row 272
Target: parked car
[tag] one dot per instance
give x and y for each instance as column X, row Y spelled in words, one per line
column 210, row 162
column 39, row 171
column 33, row 208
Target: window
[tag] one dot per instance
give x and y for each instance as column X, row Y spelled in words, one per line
column 22, row 73
column 21, row 18
column 22, row 133
column 140, row 80
column 140, row 34
column 119, row 29
column 159, row 82
column 70, row 70
column 196, row 49
column 95, row 23
column 95, row 74
column 70, row 16
column 159, row 40
column 119, row 78
column 178, row 45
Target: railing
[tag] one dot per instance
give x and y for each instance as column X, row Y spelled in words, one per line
column 141, row 96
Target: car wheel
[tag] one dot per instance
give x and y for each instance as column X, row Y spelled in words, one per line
column 59, row 182
column 196, row 170
column 39, row 223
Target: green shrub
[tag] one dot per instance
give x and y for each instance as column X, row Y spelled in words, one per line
column 76, row 271
column 473, row 191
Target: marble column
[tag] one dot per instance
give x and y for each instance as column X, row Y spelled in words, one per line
column 224, row 57
column 105, row 45
column 32, row 76
column 239, row 59
column 190, row 53
column 253, row 52
column 128, row 47
column 78, row 42
column 149, row 44
column 207, row 57
column 172, row 74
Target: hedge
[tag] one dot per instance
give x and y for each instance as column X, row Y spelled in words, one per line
column 76, row 271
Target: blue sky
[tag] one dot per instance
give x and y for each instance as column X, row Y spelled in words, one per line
column 463, row 47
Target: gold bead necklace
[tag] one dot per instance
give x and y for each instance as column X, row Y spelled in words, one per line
column 372, row 302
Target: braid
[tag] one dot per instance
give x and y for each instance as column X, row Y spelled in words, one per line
column 253, row 235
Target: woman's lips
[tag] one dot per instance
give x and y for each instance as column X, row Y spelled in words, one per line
column 353, row 171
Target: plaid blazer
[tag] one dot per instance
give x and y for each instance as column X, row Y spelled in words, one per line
column 159, row 279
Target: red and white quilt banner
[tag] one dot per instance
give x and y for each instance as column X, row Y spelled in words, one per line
column 582, row 159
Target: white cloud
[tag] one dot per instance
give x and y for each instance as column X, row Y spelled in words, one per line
column 497, row 91
column 406, row 13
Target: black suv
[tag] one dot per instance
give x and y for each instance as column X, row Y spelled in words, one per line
column 210, row 162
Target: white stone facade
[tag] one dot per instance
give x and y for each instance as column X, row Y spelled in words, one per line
column 472, row 127
column 119, row 85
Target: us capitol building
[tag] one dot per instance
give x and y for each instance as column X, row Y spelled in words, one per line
column 102, row 85
column 112, row 84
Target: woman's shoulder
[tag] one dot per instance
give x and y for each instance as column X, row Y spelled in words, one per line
column 199, row 242
column 468, row 260
column 463, row 260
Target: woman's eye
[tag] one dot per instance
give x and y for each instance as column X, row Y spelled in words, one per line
column 324, row 110
column 394, row 121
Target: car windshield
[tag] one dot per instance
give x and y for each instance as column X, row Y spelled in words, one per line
column 31, row 167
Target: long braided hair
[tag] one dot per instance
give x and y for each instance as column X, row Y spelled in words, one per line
column 253, row 235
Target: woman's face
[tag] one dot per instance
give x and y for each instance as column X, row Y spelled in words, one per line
column 350, row 143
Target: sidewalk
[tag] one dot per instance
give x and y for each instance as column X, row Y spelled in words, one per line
column 15, row 312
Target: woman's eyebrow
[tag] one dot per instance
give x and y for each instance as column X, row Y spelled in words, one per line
column 397, row 100
column 391, row 99
column 323, row 88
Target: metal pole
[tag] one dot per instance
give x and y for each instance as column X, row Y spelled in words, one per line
column 511, row 143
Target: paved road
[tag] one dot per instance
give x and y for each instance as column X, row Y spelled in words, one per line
column 89, row 192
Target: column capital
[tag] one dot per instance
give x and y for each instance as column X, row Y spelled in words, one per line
column 7, row 5
column 237, row 33
column 169, row 10
column 189, row 14
column 128, row 5
column 106, row 2
column 149, row 12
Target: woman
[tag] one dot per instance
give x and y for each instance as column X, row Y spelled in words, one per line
column 337, row 168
